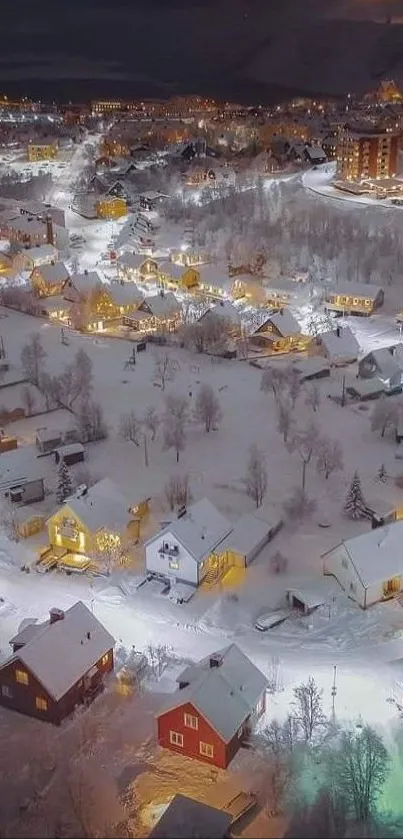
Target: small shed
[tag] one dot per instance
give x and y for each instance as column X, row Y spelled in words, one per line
column 7, row 443
column 365, row 389
column 306, row 600
column 246, row 540
column 28, row 521
column 381, row 512
column 48, row 439
column 73, row 453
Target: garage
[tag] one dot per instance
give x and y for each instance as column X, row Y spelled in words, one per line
column 246, row 540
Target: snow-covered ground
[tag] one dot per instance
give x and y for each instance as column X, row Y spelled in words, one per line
column 319, row 181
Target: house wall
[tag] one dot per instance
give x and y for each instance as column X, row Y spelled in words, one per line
column 159, row 563
column 338, row 564
column 375, row 592
column 84, row 542
column 174, row 721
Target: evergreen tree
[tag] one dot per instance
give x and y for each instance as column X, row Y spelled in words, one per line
column 355, row 506
column 64, row 486
column 382, row 473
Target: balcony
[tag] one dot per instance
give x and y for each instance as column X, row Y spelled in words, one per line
column 167, row 549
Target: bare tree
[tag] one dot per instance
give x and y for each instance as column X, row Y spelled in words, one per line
column 329, row 457
column 207, row 408
column 284, row 418
column 361, row 768
column 151, row 421
column 256, row 475
column 294, row 384
column 82, row 366
column 170, row 491
column 273, row 379
column 306, row 443
column 385, row 415
column 298, row 506
column 130, row 428
column 46, row 387
column 28, row 400
column 158, row 657
column 313, row 397
column 33, row 358
column 278, row 747
column 9, row 521
column 174, row 423
column 165, row 369
column 90, row 421
column 308, row 708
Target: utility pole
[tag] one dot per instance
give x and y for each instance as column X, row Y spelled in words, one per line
column 334, row 692
column 343, row 392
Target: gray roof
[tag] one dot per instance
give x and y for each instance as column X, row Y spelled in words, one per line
column 124, row 295
column 56, row 273
column 223, row 309
column 285, row 323
column 359, row 289
column 27, row 630
column 388, row 360
column 163, row 306
column 210, row 275
column 200, row 530
column 86, row 282
column 41, row 252
column 185, row 817
column 224, row 695
column 103, row 506
column 64, row 651
column 20, row 465
column 247, row 534
column 340, row 343
column 172, row 270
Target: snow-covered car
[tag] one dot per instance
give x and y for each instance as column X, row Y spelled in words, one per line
column 268, row 620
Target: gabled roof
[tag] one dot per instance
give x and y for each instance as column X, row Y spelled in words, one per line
column 125, row 294
column 340, row 343
column 376, row 555
column 388, row 361
column 185, row 818
column 170, row 269
column 53, row 273
column 103, row 506
column 224, row 695
column 223, row 309
column 162, row 306
column 363, row 290
column 247, row 535
column 134, row 260
column 285, row 323
column 200, row 530
column 20, row 465
column 41, row 252
column 85, row 283
column 64, row 651
column 210, row 275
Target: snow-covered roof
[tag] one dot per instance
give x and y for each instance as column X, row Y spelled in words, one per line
column 223, row 309
column 200, row 530
column 285, row 323
column 133, row 260
column 376, row 555
column 315, row 153
column 41, row 252
column 102, row 506
column 124, row 295
column 19, row 465
column 247, row 534
column 224, row 695
column 53, row 273
column 364, row 290
column 340, row 343
column 26, row 224
column 171, row 269
column 388, row 360
column 70, row 448
column 85, row 282
column 211, row 275
column 365, row 387
column 64, row 651
column 54, row 303
column 152, row 195
column 309, row 597
column 47, row 435
column 162, row 306
column 186, row 817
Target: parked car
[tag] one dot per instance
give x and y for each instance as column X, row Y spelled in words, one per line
column 270, row 619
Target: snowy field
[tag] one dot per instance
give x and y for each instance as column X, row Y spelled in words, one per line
column 361, row 644
column 319, row 181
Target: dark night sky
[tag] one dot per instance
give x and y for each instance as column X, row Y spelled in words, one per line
column 236, row 48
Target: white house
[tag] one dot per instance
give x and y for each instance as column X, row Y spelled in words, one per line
column 182, row 550
column 369, row 567
column 340, row 345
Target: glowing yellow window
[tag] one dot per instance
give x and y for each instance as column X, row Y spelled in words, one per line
column 105, row 659
column 41, row 704
column 21, row 677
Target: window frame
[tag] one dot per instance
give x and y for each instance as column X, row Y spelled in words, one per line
column 174, row 736
column 6, row 691
column 188, row 719
column 41, row 704
column 21, row 676
column 205, row 748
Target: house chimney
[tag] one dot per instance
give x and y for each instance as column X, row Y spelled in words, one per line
column 89, row 636
column 56, row 615
column 215, row 660
column 49, row 230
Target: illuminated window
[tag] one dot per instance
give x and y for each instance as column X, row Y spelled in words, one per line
column 206, row 749
column 175, row 738
column 191, row 721
column 174, row 564
column 41, row 704
column 105, row 659
column 21, row 677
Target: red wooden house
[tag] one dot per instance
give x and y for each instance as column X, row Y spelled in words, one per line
column 56, row 665
column 215, row 708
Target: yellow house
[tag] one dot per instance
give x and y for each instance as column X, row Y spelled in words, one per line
column 41, row 151
column 111, row 207
column 281, row 332
column 171, row 275
column 98, row 523
column 250, row 289
column 354, row 299
column 48, row 280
